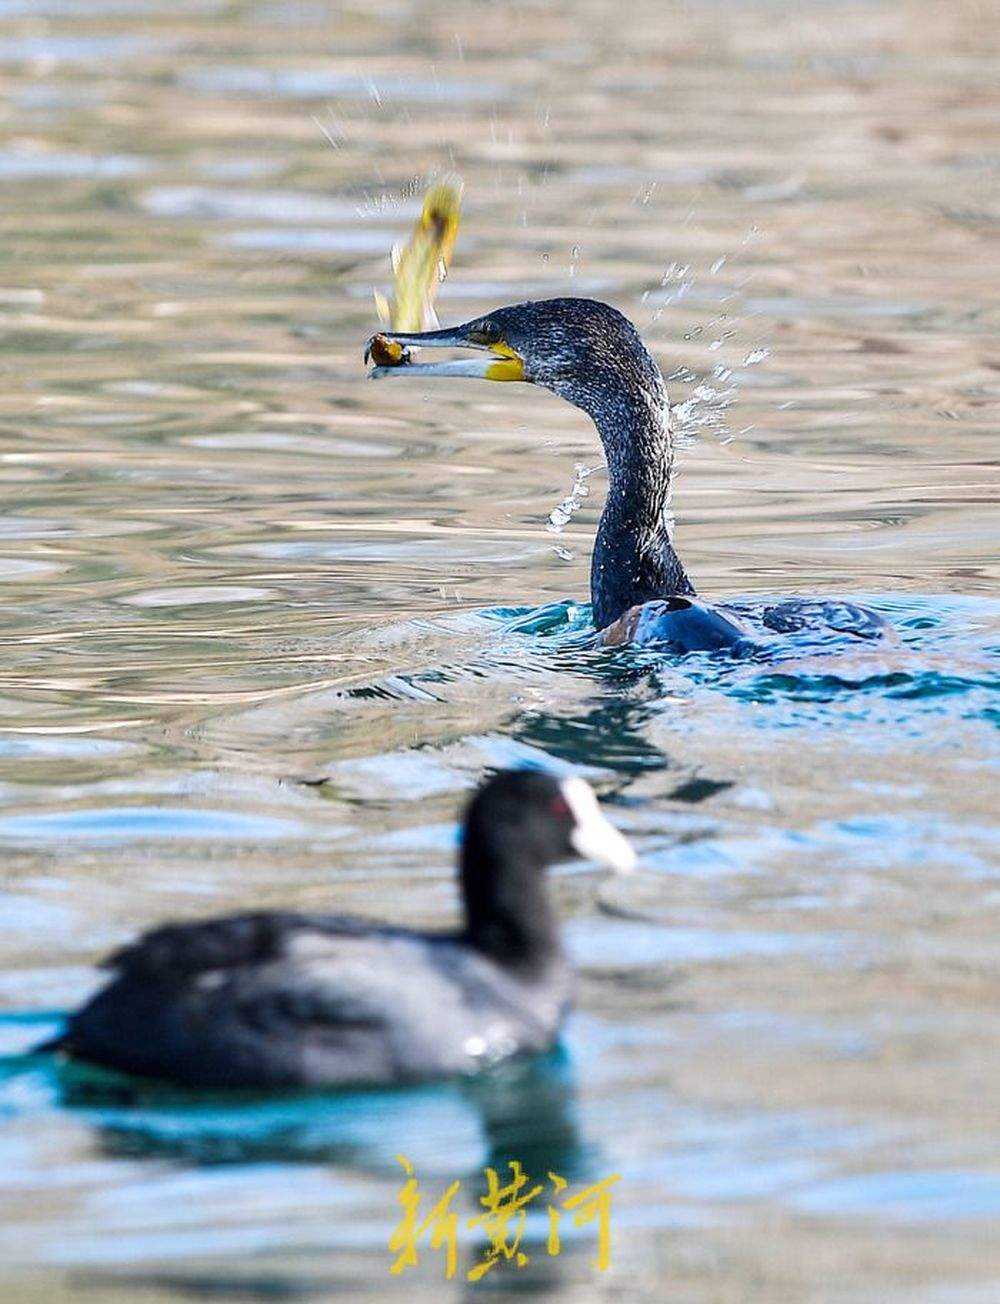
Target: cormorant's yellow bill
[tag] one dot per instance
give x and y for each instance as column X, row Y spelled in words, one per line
column 501, row 363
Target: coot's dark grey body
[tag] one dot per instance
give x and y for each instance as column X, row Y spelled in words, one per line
column 591, row 355
column 281, row 999
column 284, row 1000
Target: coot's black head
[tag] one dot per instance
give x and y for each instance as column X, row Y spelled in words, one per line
column 519, row 822
column 583, row 350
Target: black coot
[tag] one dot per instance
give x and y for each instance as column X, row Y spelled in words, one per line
column 286, row 999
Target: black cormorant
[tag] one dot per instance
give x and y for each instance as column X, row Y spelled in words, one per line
column 279, row 999
column 591, row 355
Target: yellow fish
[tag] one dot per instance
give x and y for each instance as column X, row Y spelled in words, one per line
column 418, row 269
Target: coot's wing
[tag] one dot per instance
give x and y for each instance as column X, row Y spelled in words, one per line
column 175, row 951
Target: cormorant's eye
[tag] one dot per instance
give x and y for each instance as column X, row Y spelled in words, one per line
column 488, row 331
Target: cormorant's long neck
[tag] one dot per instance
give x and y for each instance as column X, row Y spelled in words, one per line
column 508, row 912
column 634, row 559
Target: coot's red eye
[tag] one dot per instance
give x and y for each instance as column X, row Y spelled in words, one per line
column 559, row 806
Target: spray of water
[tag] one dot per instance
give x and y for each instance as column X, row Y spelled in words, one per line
column 563, row 512
column 708, row 406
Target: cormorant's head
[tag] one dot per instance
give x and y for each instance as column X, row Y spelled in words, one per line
column 583, row 350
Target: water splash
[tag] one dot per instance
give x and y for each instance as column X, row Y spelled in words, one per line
column 716, row 385
column 706, row 409
column 562, row 513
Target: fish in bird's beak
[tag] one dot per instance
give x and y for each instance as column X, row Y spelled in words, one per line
column 390, row 351
column 419, row 267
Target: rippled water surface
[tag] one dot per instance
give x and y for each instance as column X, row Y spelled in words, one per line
column 266, row 624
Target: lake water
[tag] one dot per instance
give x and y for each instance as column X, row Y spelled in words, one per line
column 266, row 624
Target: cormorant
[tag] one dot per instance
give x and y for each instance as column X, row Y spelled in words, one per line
column 591, row 355
column 279, row 999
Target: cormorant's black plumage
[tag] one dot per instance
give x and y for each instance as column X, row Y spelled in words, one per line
column 591, row 355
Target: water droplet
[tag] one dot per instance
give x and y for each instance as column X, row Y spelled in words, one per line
column 562, row 513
